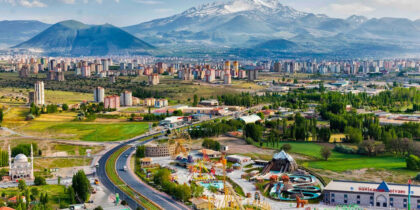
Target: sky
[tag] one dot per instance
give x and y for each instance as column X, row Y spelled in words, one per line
column 129, row 12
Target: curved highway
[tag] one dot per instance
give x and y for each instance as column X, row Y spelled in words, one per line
column 129, row 178
column 163, row 200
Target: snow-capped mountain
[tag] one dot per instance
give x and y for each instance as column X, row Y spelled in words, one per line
column 257, row 23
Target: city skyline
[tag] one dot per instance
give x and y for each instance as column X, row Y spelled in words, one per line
column 128, row 12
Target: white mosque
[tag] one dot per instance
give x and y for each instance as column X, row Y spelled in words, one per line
column 21, row 168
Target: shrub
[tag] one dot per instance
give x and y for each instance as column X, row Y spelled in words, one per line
column 325, row 152
column 211, row 144
column 286, row 147
column 39, row 181
column 413, row 162
column 344, row 149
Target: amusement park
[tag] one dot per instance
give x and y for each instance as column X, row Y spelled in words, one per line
column 229, row 180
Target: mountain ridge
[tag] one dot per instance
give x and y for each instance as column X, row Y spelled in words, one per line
column 75, row 38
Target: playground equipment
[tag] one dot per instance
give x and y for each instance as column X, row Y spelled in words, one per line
column 295, row 186
column 231, row 200
column 300, row 203
column 180, row 139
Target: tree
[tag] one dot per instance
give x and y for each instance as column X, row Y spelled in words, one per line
column 253, row 131
column 34, row 191
column 354, row 135
column 98, row 208
column 65, row 107
column 81, row 186
column 195, row 101
column 261, row 115
column 324, row 134
column 1, row 116
column 141, row 151
column 413, row 162
column 286, row 147
column 211, row 144
column 325, row 153
column 177, row 113
column 371, row 147
column 39, row 181
column 43, row 199
column 71, row 195
column 22, row 185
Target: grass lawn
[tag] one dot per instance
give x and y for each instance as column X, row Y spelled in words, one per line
column 312, row 150
column 56, row 194
column 41, row 163
column 61, row 126
column 52, row 96
column 75, row 149
column 340, row 165
column 87, row 131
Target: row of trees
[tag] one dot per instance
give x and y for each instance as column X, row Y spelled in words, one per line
column 37, row 111
column 215, row 128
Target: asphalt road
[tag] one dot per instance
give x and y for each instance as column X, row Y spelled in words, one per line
column 129, row 178
column 163, row 200
column 103, row 178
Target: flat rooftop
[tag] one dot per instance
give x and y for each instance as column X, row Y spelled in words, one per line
column 371, row 187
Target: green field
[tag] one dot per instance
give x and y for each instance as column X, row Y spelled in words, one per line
column 394, row 167
column 51, row 96
column 49, row 163
column 341, row 165
column 56, row 194
column 87, row 131
column 312, row 150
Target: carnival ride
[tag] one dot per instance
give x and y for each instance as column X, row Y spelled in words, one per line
column 295, row 187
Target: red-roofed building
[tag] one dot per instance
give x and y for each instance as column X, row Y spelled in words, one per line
column 6, row 208
column 14, row 199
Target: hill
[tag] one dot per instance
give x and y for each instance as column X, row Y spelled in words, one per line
column 78, row 39
column 13, row 32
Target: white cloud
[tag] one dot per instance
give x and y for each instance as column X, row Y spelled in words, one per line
column 350, row 8
column 163, row 10
column 68, row 1
column 150, row 2
column 25, row 3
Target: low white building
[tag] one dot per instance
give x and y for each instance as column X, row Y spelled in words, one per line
column 238, row 159
column 371, row 194
column 250, row 118
column 172, row 121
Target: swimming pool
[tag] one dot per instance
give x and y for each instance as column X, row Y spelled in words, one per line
column 217, row 184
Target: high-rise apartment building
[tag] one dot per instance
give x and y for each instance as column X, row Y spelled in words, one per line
column 126, row 98
column 99, row 94
column 112, row 102
column 252, row 75
column 153, row 79
column 277, row 67
column 38, row 95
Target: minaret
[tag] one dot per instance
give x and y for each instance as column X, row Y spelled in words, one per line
column 32, row 162
column 10, row 163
